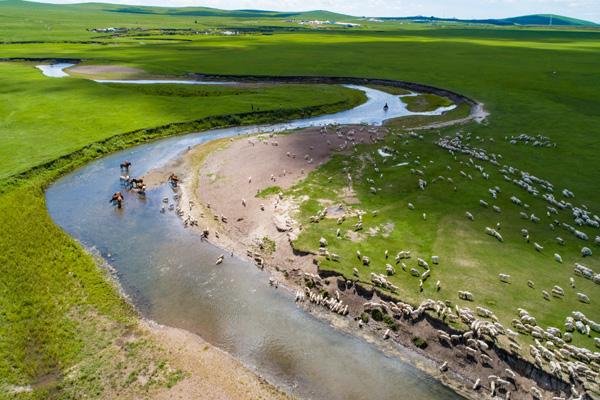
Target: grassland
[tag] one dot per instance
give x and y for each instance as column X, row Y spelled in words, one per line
column 531, row 80
column 425, row 102
column 470, row 259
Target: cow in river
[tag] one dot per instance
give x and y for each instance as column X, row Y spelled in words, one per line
column 136, row 183
column 117, row 199
column 125, row 166
column 173, row 180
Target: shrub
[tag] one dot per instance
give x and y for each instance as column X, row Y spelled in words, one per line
column 377, row 315
column 419, row 342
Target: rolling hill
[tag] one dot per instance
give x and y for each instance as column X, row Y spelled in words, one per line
column 524, row 20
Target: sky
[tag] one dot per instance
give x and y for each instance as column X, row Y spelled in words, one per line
column 583, row 9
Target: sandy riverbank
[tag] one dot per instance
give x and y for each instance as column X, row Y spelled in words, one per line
column 220, row 182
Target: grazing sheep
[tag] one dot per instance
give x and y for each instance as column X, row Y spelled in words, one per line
column 389, row 269
column 494, row 233
column 558, row 258
column 530, row 284
column 546, row 295
column 560, row 241
column 469, row 216
column 444, row 366
column 536, row 393
column 463, row 295
column 504, row 278
column 323, row 242
column 586, row 252
column 572, row 282
column 538, row 247
column 411, row 206
column 435, row 259
column 414, row 272
column 483, row 203
column 583, row 298
column 557, row 291
column 438, row 286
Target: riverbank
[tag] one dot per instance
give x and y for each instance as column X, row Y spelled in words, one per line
column 231, row 189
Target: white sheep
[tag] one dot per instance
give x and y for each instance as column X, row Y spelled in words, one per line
column 583, row 298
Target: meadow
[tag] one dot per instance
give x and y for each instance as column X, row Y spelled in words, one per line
column 532, row 80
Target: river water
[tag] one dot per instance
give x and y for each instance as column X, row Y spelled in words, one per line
column 171, row 277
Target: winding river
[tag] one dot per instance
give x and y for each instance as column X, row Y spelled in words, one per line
column 171, row 277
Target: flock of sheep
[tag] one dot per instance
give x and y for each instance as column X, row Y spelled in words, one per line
column 552, row 349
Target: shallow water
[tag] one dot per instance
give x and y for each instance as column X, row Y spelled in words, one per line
column 370, row 112
column 161, row 81
column 55, row 70
column 171, row 277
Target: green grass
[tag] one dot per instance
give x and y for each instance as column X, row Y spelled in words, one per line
column 415, row 121
column 33, row 109
column 269, row 191
column 425, row 102
column 470, row 260
column 537, row 81
column 47, row 277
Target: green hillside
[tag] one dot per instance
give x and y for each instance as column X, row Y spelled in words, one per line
column 548, row 19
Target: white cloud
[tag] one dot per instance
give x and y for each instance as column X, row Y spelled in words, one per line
column 586, row 9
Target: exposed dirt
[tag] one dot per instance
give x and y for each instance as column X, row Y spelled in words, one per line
column 105, row 71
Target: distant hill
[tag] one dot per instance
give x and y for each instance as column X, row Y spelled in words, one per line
column 525, row 20
column 322, row 15
column 215, row 12
column 548, row 19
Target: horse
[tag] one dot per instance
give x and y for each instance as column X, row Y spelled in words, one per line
column 117, row 198
column 125, row 180
column 135, row 183
column 141, row 189
column 173, row 180
column 125, row 166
